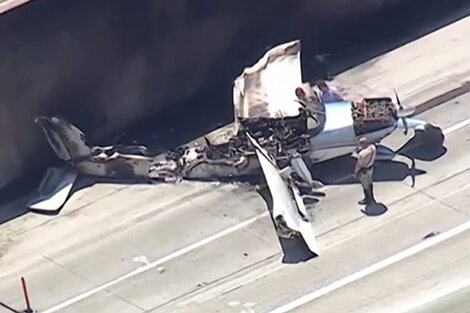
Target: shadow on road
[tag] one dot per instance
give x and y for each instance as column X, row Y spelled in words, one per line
column 339, row 171
column 375, row 209
column 427, row 154
column 84, row 182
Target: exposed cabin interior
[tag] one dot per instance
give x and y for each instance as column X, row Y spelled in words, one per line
column 372, row 114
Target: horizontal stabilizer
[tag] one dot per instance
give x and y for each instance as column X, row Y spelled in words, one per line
column 384, row 153
column 54, row 190
column 67, row 141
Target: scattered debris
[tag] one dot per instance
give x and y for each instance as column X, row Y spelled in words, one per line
column 233, row 303
column 141, row 259
column 431, row 234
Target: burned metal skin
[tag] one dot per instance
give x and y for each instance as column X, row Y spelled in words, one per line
column 68, row 142
column 234, row 157
column 206, row 161
column 264, row 106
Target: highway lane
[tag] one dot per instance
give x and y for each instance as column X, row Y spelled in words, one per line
column 97, row 239
column 455, row 302
column 408, row 220
column 404, row 285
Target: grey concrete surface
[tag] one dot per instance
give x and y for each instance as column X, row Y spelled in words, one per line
column 107, row 231
column 454, row 303
column 423, row 79
column 402, row 285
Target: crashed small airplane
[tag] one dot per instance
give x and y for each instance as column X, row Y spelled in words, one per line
column 281, row 128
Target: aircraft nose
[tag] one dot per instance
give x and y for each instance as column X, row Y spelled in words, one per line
column 411, row 123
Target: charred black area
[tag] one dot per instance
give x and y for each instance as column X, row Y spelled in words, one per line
column 280, row 137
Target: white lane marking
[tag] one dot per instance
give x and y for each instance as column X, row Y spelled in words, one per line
column 189, row 248
column 432, row 297
column 156, row 263
column 455, row 127
column 423, row 245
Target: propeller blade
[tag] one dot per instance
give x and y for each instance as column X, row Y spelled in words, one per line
column 413, row 172
column 405, row 124
column 398, row 99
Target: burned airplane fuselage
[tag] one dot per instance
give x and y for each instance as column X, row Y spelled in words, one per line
column 234, row 157
column 283, row 138
column 280, row 126
column 272, row 104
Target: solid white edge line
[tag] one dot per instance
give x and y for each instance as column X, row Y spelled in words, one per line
column 455, row 127
column 190, row 248
column 158, row 262
column 430, row 298
column 372, row 268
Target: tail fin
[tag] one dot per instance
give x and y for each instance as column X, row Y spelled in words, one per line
column 288, row 205
column 67, row 141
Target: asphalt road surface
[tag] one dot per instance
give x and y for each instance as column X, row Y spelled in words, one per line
column 456, row 302
column 206, row 247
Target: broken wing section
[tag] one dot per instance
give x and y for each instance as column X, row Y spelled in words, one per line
column 288, row 208
column 267, row 89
